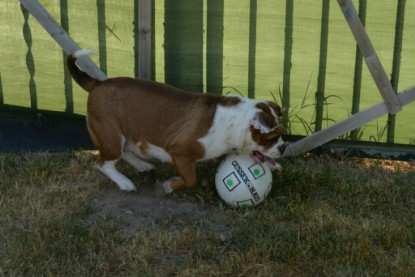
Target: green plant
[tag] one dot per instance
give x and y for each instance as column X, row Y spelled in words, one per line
column 380, row 132
column 295, row 111
column 348, row 135
column 230, row 90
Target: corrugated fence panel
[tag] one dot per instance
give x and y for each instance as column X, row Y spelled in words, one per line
column 305, row 64
column 404, row 131
column 380, row 25
column 236, row 46
column 301, row 53
column 119, row 34
column 48, row 65
column 269, row 49
column 340, row 68
column 14, row 73
column 214, row 46
column 113, row 35
column 183, row 44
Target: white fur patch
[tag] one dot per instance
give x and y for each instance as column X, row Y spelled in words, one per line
column 230, row 129
column 138, row 164
column 108, row 168
column 158, row 153
column 167, row 187
column 151, row 151
column 259, row 126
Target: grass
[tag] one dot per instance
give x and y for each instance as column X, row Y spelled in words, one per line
column 324, row 217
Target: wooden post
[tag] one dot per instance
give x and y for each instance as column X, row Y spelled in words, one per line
column 61, row 37
column 144, row 39
column 370, row 56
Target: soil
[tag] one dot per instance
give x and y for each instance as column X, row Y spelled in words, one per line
column 150, row 206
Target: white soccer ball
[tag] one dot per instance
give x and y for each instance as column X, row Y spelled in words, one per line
column 242, row 182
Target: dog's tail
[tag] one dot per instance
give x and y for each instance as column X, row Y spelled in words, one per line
column 87, row 82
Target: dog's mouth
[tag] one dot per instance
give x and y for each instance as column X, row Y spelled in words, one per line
column 259, row 157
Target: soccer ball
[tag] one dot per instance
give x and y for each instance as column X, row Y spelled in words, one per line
column 242, row 182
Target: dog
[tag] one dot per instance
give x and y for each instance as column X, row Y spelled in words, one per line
column 136, row 120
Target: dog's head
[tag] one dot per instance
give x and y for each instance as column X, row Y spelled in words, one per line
column 266, row 130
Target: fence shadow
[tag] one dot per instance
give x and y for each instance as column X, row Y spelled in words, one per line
column 183, row 44
column 30, row 62
column 1, row 91
column 214, row 46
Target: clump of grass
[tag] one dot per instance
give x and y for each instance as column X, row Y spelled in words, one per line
column 324, row 217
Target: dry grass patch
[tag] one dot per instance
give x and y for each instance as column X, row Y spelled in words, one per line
column 325, row 217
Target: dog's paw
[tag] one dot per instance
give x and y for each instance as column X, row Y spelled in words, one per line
column 204, row 183
column 125, row 184
column 145, row 167
column 108, row 168
column 168, row 185
column 275, row 166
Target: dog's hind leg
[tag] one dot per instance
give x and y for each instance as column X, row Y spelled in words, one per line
column 133, row 154
column 138, row 164
column 110, row 146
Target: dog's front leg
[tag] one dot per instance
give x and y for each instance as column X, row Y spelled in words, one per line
column 108, row 168
column 186, row 168
column 275, row 166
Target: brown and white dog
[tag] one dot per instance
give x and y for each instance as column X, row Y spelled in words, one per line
column 138, row 119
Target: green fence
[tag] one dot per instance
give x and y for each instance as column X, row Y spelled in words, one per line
column 300, row 53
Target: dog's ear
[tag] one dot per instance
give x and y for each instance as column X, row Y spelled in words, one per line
column 264, row 123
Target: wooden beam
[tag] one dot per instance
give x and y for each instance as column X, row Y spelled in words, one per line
column 338, row 129
column 372, row 60
column 144, row 39
column 61, row 36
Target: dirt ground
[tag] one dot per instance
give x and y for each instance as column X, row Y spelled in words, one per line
column 149, row 206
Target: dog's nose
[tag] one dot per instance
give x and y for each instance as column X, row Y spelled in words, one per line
column 282, row 148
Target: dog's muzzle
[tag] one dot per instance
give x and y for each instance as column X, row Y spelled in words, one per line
column 282, row 148
column 276, row 150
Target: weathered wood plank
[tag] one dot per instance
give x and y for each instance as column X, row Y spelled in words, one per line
column 61, row 36
column 338, row 129
column 371, row 59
